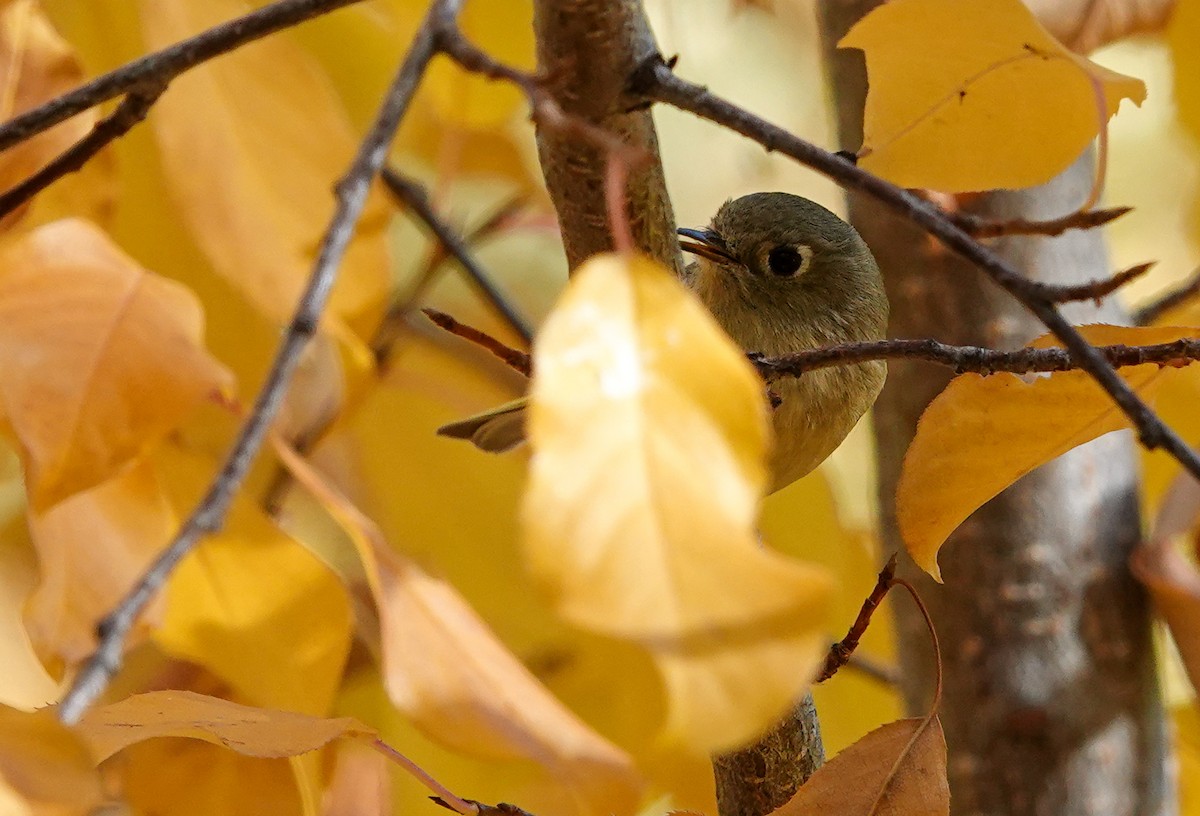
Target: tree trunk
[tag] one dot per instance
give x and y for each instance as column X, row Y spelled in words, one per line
column 1050, row 704
column 589, row 49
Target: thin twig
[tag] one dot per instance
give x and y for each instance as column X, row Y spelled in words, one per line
column 962, row 359
column 546, row 111
column 973, row 359
column 414, row 196
column 519, row 361
column 1092, row 290
column 655, row 80
column 443, row 795
column 980, row 227
column 131, row 111
column 840, row 652
column 165, row 65
column 1156, row 308
column 210, row 513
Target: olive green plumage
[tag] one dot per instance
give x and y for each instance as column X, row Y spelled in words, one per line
column 780, row 274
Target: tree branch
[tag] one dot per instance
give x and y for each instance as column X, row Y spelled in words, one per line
column 131, row 111
column 972, row 359
column 655, row 80
column 163, row 66
column 414, row 196
column 1156, row 308
column 588, row 49
column 210, row 513
column 981, row 227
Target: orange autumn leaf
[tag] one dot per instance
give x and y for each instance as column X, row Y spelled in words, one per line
column 99, row 359
column 45, row 768
column 255, row 182
column 649, row 436
column 976, row 96
column 1013, row 424
column 256, row 732
column 898, row 769
column 91, row 549
column 36, row 65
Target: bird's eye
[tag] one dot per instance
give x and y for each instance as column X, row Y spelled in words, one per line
column 788, row 261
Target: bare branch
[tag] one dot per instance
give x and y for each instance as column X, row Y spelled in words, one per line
column 414, row 196
column 131, row 111
column 210, row 513
column 981, row 227
column 841, row 652
column 519, row 361
column 163, row 66
column 657, row 82
column 1091, row 290
column 1156, row 308
column 972, row 359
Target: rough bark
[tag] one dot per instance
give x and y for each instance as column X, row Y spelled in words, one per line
column 589, row 49
column 759, row 778
column 1050, row 703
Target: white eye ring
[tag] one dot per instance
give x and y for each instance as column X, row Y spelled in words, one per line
column 786, row 261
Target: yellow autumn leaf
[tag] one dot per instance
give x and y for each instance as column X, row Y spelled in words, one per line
column 36, row 65
column 899, row 768
column 256, row 732
column 254, row 606
column 649, row 432
column 446, row 670
column 252, row 145
column 45, row 769
column 91, row 549
column 99, row 359
column 1013, row 424
column 976, row 96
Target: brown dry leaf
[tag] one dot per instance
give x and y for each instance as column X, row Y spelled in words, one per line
column 1085, row 25
column 45, row 769
column 1013, row 424
column 252, row 144
column 458, row 683
column 99, row 359
column 92, row 548
column 897, row 770
column 648, row 429
column 36, row 65
column 976, row 96
column 256, row 732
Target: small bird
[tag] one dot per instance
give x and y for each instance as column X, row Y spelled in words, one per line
column 780, row 274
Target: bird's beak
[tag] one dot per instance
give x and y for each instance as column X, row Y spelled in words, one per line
column 707, row 244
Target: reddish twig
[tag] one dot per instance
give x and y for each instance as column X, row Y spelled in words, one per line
column 840, row 652
column 517, row 360
column 1092, row 290
column 980, row 227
